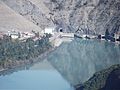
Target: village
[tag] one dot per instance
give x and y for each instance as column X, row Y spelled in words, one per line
column 56, row 37
column 59, row 36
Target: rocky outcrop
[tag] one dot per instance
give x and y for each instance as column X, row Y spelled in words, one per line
column 107, row 79
column 113, row 77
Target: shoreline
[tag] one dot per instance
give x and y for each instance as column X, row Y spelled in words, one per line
column 13, row 64
column 96, row 37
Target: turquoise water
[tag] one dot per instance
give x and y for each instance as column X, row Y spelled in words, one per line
column 41, row 76
column 78, row 60
column 70, row 64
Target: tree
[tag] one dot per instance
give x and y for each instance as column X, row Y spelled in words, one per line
column 107, row 34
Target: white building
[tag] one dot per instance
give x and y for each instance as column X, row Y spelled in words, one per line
column 14, row 36
column 28, row 34
column 50, row 30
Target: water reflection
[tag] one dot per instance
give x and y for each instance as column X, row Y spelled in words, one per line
column 40, row 76
column 79, row 60
column 11, row 71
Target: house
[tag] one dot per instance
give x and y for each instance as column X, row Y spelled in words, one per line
column 28, row 34
column 50, row 30
column 14, row 34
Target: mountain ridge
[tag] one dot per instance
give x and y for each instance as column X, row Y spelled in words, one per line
column 94, row 15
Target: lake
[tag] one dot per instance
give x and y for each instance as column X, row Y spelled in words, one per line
column 40, row 76
column 70, row 64
column 78, row 60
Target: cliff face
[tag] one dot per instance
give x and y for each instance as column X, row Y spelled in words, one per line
column 95, row 15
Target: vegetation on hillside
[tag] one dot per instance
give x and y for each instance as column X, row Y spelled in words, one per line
column 98, row 81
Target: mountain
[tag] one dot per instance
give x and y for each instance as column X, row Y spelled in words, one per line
column 95, row 15
column 71, row 15
column 10, row 20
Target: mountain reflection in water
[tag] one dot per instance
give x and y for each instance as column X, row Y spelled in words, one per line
column 78, row 60
column 40, row 76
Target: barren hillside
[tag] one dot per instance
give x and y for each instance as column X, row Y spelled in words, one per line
column 10, row 20
column 32, row 11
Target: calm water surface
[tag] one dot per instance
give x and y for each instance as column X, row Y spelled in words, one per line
column 78, row 60
column 74, row 62
column 41, row 76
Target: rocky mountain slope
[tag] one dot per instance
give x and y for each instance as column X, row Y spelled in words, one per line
column 95, row 15
column 107, row 79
